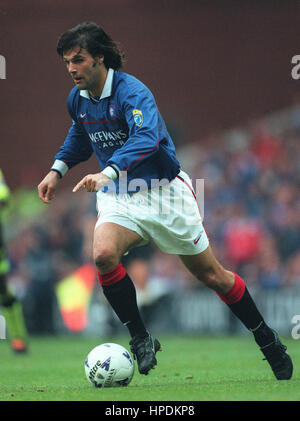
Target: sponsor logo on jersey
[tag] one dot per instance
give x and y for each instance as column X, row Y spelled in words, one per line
column 106, row 136
column 138, row 117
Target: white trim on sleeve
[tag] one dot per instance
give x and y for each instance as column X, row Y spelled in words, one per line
column 60, row 166
column 110, row 172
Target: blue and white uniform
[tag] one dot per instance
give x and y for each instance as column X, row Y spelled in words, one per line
column 151, row 195
column 124, row 129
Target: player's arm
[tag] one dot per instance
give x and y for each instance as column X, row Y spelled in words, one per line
column 47, row 186
column 92, row 182
column 75, row 149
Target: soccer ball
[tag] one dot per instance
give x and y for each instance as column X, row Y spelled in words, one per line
column 109, row 365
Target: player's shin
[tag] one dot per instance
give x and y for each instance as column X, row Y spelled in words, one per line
column 120, row 292
column 242, row 305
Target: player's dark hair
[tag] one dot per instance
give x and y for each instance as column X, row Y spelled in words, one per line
column 90, row 36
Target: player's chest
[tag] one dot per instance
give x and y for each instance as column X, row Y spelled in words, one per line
column 103, row 115
column 104, row 124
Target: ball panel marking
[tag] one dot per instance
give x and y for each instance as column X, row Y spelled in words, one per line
column 109, row 365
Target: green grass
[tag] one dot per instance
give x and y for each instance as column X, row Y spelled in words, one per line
column 190, row 368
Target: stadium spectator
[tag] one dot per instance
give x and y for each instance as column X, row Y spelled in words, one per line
column 11, row 306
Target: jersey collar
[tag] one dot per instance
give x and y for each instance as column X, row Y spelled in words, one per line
column 106, row 92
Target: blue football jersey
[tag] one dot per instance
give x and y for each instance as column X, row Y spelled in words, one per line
column 125, row 130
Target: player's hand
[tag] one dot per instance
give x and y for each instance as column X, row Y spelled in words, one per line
column 47, row 187
column 92, row 182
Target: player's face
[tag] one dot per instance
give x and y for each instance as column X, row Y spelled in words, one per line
column 83, row 68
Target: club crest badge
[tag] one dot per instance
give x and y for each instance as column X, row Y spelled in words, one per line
column 112, row 111
column 138, row 117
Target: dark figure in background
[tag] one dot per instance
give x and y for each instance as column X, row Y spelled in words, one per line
column 11, row 308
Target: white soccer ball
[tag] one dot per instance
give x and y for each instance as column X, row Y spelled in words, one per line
column 109, row 365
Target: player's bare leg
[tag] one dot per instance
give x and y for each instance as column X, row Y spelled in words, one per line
column 111, row 241
column 233, row 291
column 207, row 269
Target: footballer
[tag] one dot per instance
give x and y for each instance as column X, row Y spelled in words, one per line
column 140, row 188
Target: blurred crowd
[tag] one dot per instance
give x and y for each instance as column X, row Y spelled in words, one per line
column 251, row 215
column 252, row 201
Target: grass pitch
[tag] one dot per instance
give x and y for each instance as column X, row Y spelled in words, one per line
column 190, row 368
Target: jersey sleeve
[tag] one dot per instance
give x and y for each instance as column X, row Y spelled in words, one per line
column 140, row 111
column 76, row 147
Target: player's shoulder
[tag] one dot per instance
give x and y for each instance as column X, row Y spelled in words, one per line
column 73, row 101
column 73, row 95
column 126, row 83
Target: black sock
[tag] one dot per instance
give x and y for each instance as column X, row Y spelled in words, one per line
column 3, row 288
column 6, row 298
column 122, row 297
column 245, row 309
column 263, row 335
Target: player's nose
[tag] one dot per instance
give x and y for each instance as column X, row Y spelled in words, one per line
column 72, row 69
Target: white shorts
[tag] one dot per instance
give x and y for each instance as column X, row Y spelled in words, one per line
column 169, row 214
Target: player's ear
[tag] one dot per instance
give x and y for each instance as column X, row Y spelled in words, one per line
column 98, row 60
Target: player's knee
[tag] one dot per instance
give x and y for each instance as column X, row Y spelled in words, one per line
column 208, row 278
column 105, row 259
column 215, row 280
